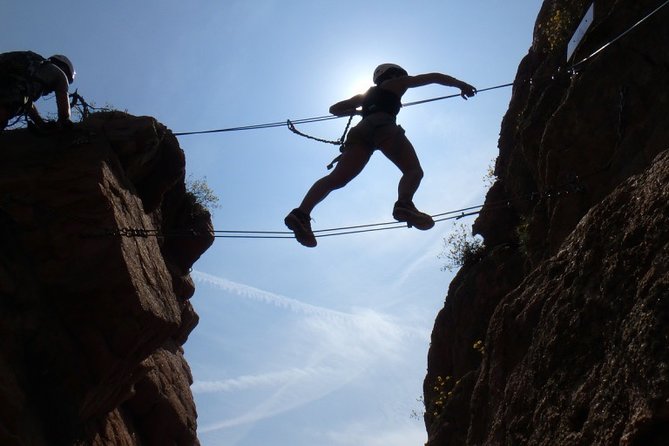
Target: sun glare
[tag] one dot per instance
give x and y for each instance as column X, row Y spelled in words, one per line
column 359, row 84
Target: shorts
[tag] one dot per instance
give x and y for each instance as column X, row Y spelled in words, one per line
column 374, row 130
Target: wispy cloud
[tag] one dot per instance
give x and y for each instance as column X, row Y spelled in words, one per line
column 292, row 394
column 263, row 296
column 273, row 379
column 335, row 348
column 364, row 320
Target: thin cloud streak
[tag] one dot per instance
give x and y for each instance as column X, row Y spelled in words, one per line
column 246, row 382
column 291, row 395
column 360, row 318
column 338, row 348
column 267, row 297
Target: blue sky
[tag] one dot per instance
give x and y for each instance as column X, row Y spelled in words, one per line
column 301, row 346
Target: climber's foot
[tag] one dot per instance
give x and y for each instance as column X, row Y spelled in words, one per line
column 407, row 212
column 299, row 222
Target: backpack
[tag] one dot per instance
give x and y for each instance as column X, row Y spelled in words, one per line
column 18, row 84
column 20, row 65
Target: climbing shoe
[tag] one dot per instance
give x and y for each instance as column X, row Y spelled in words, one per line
column 299, row 222
column 407, row 212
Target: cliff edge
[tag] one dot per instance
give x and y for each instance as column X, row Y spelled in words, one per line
column 556, row 333
column 93, row 319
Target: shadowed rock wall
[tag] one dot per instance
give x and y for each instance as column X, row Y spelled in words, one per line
column 92, row 323
column 570, row 296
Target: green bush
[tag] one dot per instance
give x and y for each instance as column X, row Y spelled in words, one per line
column 461, row 248
column 202, row 193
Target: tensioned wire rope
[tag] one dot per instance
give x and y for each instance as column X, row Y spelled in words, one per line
column 330, row 232
column 571, row 186
column 449, row 215
column 345, row 230
column 509, row 84
column 269, row 125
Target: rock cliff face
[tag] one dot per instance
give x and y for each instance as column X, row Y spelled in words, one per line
column 91, row 321
column 570, row 297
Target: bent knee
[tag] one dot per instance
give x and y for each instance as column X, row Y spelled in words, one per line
column 415, row 172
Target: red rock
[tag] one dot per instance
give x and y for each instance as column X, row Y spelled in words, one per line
column 570, row 296
column 84, row 311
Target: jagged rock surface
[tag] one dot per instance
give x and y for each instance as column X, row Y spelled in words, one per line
column 92, row 323
column 570, row 297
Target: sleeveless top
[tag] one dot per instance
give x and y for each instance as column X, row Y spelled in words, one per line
column 379, row 100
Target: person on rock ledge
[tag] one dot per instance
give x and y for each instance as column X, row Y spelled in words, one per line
column 377, row 130
column 25, row 77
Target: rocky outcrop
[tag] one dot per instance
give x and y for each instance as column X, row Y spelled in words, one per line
column 557, row 335
column 92, row 321
column 580, row 346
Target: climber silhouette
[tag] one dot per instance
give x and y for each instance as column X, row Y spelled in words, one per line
column 377, row 130
column 25, row 77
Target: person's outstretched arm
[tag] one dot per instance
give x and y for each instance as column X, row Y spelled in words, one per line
column 347, row 107
column 400, row 84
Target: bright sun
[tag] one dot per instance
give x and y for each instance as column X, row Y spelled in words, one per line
column 358, row 85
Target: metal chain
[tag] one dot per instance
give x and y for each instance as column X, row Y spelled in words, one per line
column 338, row 142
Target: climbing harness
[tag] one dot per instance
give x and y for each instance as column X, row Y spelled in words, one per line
column 339, row 142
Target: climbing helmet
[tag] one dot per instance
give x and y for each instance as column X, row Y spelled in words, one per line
column 386, row 70
column 65, row 65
